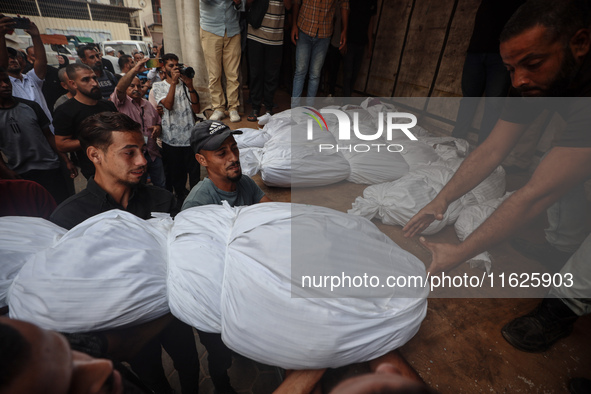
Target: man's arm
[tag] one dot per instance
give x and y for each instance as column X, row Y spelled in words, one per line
column 125, row 81
column 560, row 171
column 294, row 22
column 194, row 97
column 6, row 25
column 477, row 166
column 67, row 143
column 344, row 23
column 265, row 199
column 6, row 172
column 40, row 65
column 168, row 101
column 51, row 140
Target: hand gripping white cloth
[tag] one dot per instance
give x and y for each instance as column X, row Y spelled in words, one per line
column 107, row 272
column 397, row 202
column 251, row 281
column 470, row 219
column 20, row 238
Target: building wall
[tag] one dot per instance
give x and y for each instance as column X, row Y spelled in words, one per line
column 102, row 30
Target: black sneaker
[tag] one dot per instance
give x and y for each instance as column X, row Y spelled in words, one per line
column 545, row 253
column 253, row 116
column 541, row 328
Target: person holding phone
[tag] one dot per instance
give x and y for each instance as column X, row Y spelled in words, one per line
column 27, row 86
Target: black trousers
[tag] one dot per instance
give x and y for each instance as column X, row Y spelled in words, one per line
column 179, row 342
column 265, row 64
column 351, row 66
column 178, row 162
column 52, row 180
column 219, row 358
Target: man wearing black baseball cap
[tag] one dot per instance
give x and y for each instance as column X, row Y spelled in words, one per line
column 216, row 150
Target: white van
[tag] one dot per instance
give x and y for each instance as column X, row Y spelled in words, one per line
column 127, row 46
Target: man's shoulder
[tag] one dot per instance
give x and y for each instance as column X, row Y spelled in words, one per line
column 203, row 193
column 29, row 103
column 75, row 209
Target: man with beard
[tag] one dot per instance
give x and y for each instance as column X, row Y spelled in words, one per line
column 33, row 360
column 545, row 46
column 215, row 148
column 115, row 145
column 128, row 97
column 28, row 144
column 68, row 116
column 106, row 80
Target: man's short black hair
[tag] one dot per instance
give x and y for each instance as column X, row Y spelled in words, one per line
column 562, row 19
column 72, row 69
column 82, row 48
column 123, row 60
column 97, row 130
column 169, row 56
column 15, row 352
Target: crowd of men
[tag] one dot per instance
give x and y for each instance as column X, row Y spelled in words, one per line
column 103, row 124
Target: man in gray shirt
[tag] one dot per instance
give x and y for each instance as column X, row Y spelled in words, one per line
column 216, row 150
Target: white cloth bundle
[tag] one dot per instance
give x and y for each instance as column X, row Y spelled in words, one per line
column 250, row 160
column 20, row 238
column 260, row 317
column 289, row 159
column 230, row 270
column 107, row 272
column 251, row 138
column 470, row 219
column 397, row 202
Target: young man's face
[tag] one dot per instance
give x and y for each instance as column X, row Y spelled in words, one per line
column 223, row 163
column 138, row 56
column 123, row 162
column 86, row 83
column 92, row 59
column 538, row 65
column 134, row 89
column 169, row 66
column 5, row 86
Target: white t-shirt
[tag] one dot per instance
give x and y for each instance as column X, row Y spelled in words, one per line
column 177, row 123
column 30, row 88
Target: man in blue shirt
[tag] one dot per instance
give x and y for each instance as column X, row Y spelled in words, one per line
column 220, row 38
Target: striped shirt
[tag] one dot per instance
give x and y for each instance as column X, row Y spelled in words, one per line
column 271, row 30
column 316, row 16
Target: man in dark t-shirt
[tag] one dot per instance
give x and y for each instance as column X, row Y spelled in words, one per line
column 115, row 145
column 28, row 144
column 68, row 116
column 546, row 48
